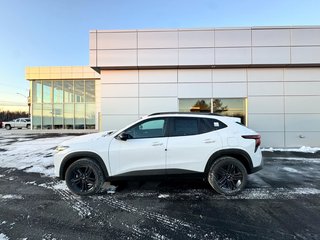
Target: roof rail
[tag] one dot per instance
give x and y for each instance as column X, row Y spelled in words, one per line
column 195, row 113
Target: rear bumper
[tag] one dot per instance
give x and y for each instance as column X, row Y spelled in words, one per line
column 257, row 168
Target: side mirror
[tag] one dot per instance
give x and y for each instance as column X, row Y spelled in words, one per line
column 124, row 136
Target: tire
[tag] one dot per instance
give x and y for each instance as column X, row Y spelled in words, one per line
column 227, row 176
column 8, row 127
column 84, row 177
column 28, row 126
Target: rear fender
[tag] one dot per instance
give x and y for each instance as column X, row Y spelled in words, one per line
column 239, row 154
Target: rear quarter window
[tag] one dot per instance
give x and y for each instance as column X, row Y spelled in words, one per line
column 209, row 125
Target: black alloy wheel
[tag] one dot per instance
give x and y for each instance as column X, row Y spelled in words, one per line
column 227, row 176
column 84, row 177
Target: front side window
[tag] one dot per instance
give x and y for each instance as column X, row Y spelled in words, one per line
column 148, row 129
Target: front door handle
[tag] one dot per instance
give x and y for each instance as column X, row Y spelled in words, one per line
column 157, row 144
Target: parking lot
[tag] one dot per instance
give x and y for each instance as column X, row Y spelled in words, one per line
column 280, row 202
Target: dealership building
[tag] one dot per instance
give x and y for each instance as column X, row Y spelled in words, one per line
column 267, row 76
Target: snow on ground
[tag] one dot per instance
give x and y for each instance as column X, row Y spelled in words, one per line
column 31, row 156
column 11, row 196
column 3, row 237
column 289, row 169
column 302, row 149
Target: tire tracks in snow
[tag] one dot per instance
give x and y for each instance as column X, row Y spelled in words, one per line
column 85, row 211
column 177, row 226
column 174, row 225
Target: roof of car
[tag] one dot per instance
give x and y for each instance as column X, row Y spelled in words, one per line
column 185, row 113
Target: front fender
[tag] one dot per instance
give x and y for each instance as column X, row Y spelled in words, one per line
column 72, row 157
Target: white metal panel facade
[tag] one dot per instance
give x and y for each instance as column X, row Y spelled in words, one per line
column 276, row 69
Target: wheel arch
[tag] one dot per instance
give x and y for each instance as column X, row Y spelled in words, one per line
column 238, row 154
column 72, row 157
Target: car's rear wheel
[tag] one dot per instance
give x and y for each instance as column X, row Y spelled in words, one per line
column 8, row 127
column 227, row 176
column 28, row 126
column 84, row 177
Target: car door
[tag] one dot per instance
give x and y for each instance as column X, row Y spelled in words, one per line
column 143, row 153
column 15, row 123
column 190, row 144
column 21, row 123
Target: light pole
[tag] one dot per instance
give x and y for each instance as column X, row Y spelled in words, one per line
column 28, row 99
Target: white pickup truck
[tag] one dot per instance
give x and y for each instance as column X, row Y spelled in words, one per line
column 17, row 123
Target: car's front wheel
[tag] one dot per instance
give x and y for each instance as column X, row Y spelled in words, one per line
column 227, row 176
column 84, row 177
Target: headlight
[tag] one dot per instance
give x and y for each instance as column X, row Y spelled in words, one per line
column 61, row 148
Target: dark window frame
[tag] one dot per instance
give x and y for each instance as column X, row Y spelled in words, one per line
column 200, row 121
column 165, row 128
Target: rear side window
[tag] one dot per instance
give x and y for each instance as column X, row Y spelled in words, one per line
column 186, row 126
column 209, row 125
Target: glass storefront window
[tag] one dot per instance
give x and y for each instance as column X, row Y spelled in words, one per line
column 47, row 91
column 47, row 115
column 79, row 116
column 57, row 116
column 68, row 115
column 37, row 92
column 68, row 91
column 36, row 116
column 90, row 91
column 90, row 115
column 195, row 105
column 233, row 107
column 68, row 104
column 79, row 91
column 57, row 92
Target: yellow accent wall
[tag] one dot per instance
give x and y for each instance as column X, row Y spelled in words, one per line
column 61, row 73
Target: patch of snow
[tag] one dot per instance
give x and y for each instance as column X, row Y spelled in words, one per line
column 311, row 160
column 163, row 196
column 289, row 169
column 277, row 193
column 5, row 140
column 303, row 149
column 10, row 196
column 111, row 189
column 1, row 175
column 3, row 237
column 31, row 156
column 61, row 186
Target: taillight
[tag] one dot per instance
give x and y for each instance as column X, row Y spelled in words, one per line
column 257, row 138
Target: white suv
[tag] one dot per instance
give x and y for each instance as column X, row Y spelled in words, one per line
column 216, row 148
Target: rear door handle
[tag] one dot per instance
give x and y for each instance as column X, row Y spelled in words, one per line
column 157, row 144
column 209, row 141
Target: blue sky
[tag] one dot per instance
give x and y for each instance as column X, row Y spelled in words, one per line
column 56, row 32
